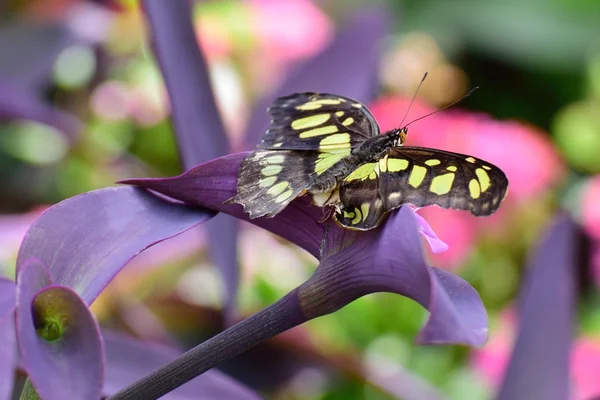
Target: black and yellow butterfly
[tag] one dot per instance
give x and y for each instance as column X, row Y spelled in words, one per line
column 329, row 146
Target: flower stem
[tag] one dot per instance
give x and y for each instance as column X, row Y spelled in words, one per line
column 273, row 320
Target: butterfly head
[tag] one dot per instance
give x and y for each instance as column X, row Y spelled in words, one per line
column 398, row 136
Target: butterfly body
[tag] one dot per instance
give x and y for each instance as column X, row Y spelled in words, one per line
column 329, row 146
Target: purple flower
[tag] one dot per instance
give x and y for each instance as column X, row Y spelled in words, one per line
column 352, row 264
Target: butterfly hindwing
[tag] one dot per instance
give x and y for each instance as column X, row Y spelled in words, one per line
column 312, row 121
column 362, row 207
column 423, row 177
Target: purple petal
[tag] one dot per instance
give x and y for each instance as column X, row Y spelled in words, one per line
column 8, row 344
column 212, row 183
column 390, row 259
column 437, row 245
column 199, row 130
column 71, row 366
column 128, row 360
column 87, row 239
column 337, row 70
column 539, row 366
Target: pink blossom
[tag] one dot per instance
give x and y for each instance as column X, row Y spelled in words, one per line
column 290, row 30
column 585, row 364
column 492, row 360
column 590, row 207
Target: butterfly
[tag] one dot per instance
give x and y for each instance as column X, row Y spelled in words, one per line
column 330, row 146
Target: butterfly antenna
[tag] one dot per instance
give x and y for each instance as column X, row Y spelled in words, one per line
column 413, row 98
column 443, row 108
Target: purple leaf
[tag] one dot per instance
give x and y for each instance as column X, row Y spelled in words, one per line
column 386, row 259
column 128, row 360
column 199, row 130
column 347, row 67
column 85, row 240
column 59, row 339
column 8, row 344
column 539, row 367
column 29, row 51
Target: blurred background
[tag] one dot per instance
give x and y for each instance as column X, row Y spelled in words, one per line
column 83, row 105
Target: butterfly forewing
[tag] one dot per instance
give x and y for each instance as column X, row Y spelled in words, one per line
column 423, row 177
column 312, row 121
column 269, row 180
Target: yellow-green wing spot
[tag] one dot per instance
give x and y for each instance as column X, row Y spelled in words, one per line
column 363, row 172
column 335, row 141
column 442, row 184
column 316, row 104
column 396, row 164
column 324, row 130
column 348, row 121
column 270, row 170
column 278, row 188
column 484, row 179
column 310, row 122
column 417, row 174
column 474, row 189
column 329, row 158
column 364, row 209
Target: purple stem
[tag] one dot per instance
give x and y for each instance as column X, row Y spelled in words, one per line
column 285, row 314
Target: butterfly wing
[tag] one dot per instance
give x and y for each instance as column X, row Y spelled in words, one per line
column 269, row 180
column 313, row 121
column 422, row 177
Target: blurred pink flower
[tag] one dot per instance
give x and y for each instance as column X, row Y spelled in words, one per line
column 590, row 207
column 585, row 364
column 456, row 229
column 491, row 361
column 290, row 30
column 214, row 37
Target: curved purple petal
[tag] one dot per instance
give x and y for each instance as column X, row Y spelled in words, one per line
column 70, row 366
column 212, row 183
column 437, row 245
column 390, row 259
column 539, row 366
column 87, row 239
column 199, row 130
column 128, row 360
column 8, row 352
column 337, row 69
